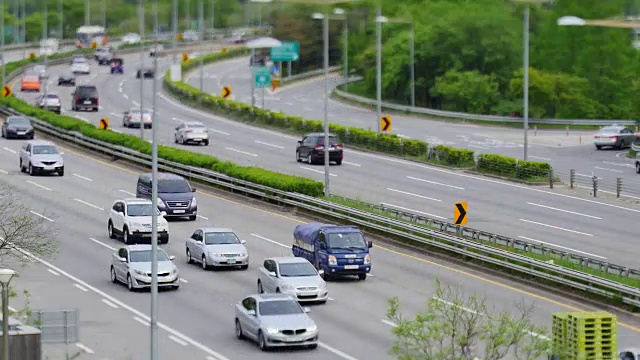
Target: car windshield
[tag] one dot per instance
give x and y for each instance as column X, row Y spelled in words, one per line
column 44, row 150
column 18, row 120
column 39, row 68
column 87, row 92
column 297, row 269
column 279, row 307
column 137, row 111
column 195, row 126
column 31, row 78
column 350, row 240
column 67, row 75
column 173, row 186
column 219, row 238
column 145, row 256
column 141, row 210
column 52, row 96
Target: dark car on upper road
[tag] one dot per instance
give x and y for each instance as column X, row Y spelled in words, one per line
column 311, row 149
column 147, row 73
column 67, row 78
column 17, row 127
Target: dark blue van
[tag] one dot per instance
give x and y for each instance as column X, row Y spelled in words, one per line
column 175, row 195
column 338, row 250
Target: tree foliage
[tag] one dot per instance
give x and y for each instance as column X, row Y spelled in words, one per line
column 456, row 327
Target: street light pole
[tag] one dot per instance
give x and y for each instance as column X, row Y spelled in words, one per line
column 526, row 80
column 141, row 22
column 60, row 20
column 23, row 21
column 154, row 200
column 201, row 28
column 2, row 42
column 412, row 70
column 174, row 24
column 379, row 67
column 87, row 12
column 5, row 278
column 104, row 13
column 325, row 30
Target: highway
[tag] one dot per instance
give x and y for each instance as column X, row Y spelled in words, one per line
column 597, row 228
column 198, row 317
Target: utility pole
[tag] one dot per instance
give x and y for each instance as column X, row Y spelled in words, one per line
column 141, row 22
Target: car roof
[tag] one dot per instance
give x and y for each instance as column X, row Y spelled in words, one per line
column 213, row 229
column 318, row 134
column 40, row 142
column 288, row 259
column 164, row 176
column 136, row 201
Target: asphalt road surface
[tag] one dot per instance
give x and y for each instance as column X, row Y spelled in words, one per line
column 198, row 316
column 601, row 228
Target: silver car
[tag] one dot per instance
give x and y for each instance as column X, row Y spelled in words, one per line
column 191, row 132
column 614, row 136
column 50, row 102
column 294, row 276
column 40, row 156
column 131, row 118
column 41, row 70
column 275, row 320
column 217, row 247
column 80, row 66
column 132, row 265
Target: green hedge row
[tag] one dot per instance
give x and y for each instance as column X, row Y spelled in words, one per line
column 355, row 137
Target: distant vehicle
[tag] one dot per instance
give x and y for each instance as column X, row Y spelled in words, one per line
column 131, row 219
column 147, row 73
column 117, row 66
column 191, row 132
column 190, row 35
column 217, row 247
column 81, row 66
column 30, row 82
column 152, row 53
column 311, row 149
column 275, row 320
column 50, row 102
column 85, row 35
column 85, row 97
column 49, row 46
column 77, row 58
column 39, row 156
column 338, row 250
column 615, row 136
column 41, row 70
column 175, row 195
column 103, row 56
column 17, row 127
column 131, row 118
column 131, row 38
column 67, row 78
column 295, row 276
column 131, row 265
column 637, row 166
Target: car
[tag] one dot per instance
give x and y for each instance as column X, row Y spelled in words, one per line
column 41, row 70
column 637, row 166
column 152, row 53
column 131, row 118
column 40, row 156
column 190, row 35
column 215, row 247
column 147, row 73
column 175, row 195
column 131, row 38
column 275, row 320
column 131, row 265
column 30, row 82
column 77, row 58
column 294, row 276
column 131, row 219
column 50, row 102
column 85, row 97
column 615, row 136
column 67, row 78
column 103, row 56
column 117, row 66
column 81, row 66
column 193, row 132
column 17, row 127
column 311, row 149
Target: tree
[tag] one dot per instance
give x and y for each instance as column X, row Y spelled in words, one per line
column 467, row 91
column 456, row 327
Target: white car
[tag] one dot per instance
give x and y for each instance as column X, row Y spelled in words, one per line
column 217, row 247
column 132, row 265
column 294, row 276
column 80, row 66
column 131, row 38
column 131, row 118
column 193, row 132
column 131, row 219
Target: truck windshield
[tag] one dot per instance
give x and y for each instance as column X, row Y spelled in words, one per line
column 350, row 240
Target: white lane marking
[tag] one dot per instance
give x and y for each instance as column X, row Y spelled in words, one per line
column 404, row 136
column 455, row 306
column 127, row 192
column 137, row 314
column 269, row 240
column 202, row 217
column 10, row 150
column 412, row 194
column 589, row 176
column 541, row 158
column 535, row 334
column 219, row 132
column 270, row 145
column 53, row 272
column 82, row 118
column 411, row 210
column 178, row 340
column 88, row 204
column 556, row 227
column 566, row 211
column 241, row 152
column 135, row 103
column 612, row 170
column 477, row 146
column 141, row 321
column 80, row 287
column 178, row 119
column 38, row 185
column 336, row 351
column 184, row 281
column 109, row 303
column 125, row 96
column 559, row 246
column 352, row 164
column 389, row 322
column 82, row 177
column 315, row 170
column 12, row 309
column 618, row 164
column 103, row 244
column 331, row 299
column 115, row 114
column 40, row 215
column 85, row 348
column 4, row 171
column 435, row 183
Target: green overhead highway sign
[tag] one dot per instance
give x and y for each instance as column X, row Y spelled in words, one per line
column 261, row 77
column 289, row 51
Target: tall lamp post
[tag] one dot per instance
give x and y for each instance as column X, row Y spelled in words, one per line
column 342, row 15
column 412, row 56
column 5, row 278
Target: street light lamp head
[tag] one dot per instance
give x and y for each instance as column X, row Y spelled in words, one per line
column 6, row 275
column 317, row 16
column 571, row 21
column 382, row 19
column 339, row 11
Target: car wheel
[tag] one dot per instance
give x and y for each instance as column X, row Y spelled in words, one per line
column 239, row 334
column 3, row 135
column 278, row 291
column 189, row 258
column 112, row 235
column 638, row 168
column 260, row 289
column 262, row 342
column 598, row 147
column 339, row 162
column 205, row 266
column 125, row 235
column 130, row 283
column 114, row 278
column 313, row 346
column 192, row 218
column 244, row 267
column 61, row 172
column 309, row 160
column 30, row 170
column 175, row 139
column 206, row 143
column 362, row 276
column 21, row 167
column 298, row 156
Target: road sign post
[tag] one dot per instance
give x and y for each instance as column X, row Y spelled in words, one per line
column 385, row 123
column 262, row 77
column 289, row 51
column 226, row 92
column 104, row 124
column 460, row 213
column 185, row 56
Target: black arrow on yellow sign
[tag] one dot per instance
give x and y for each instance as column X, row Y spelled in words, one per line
column 6, row 91
column 104, row 124
column 460, row 213
column 385, row 123
column 226, row 92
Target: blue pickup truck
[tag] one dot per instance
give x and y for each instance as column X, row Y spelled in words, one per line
column 338, row 250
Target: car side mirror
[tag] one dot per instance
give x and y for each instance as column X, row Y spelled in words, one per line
column 123, row 259
column 172, row 257
column 193, row 189
column 320, row 272
column 243, row 242
column 163, row 213
column 370, row 244
column 251, row 312
column 306, row 309
column 272, row 274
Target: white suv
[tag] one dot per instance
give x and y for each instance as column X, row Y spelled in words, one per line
column 131, row 219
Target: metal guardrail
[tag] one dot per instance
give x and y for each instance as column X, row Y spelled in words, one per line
column 466, row 116
column 463, row 246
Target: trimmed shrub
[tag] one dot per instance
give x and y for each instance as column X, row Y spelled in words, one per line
column 447, row 155
column 497, row 164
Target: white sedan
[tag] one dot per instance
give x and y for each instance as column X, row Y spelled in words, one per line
column 80, row 66
column 192, row 132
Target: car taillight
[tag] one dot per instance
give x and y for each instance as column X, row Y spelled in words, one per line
column 188, row 131
column 597, row 137
column 319, row 147
column 339, row 146
column 613, row 137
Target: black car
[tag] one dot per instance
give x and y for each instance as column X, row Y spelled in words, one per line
column 85, row 97
column 147, row 73
column 175, row 195
column 311, row 149
column 67, row 78
column 17, row 127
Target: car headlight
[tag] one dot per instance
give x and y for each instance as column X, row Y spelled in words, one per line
column 312, row 328
column 333, row 260
column 243, row 254
column 367, row 259
column 212, row 254
column 323, row 285
column 140, row 273
column 159, row 202
column 272, row 331
column 194, row 202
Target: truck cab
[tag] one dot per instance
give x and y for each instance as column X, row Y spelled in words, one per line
column 336, row 249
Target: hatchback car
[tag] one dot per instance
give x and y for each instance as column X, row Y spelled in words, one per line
column 615, row 136
column 67, row 78
column 103, row 56
column 294, row 276
column 85, row 97
column 217, row 247
column 132, row 218
column 17, row 127
column 50, row 102
column 39, row 156
column 41, row 70
column 192, row 132
column 132, row 265
column 311, row 149
column 275, row 320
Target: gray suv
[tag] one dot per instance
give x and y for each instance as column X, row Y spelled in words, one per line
column 40, row 156
column 175, row 195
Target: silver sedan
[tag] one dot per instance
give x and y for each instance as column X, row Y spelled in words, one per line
column 275, row 320
column 191, row 132
column 132, row 117
column 614, row 136
column 217, row 247
column 294, row 276
column 132, row 265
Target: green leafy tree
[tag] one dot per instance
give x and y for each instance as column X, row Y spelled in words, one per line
column 468, row 91
column 455, row 327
